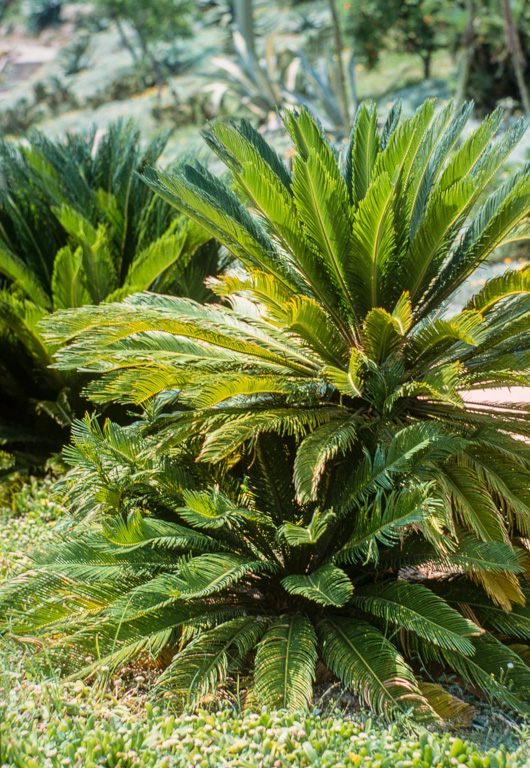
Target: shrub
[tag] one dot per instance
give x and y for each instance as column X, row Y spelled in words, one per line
column 349, row 507
column 78, row 226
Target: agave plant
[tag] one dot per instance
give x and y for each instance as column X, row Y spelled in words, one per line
column 221, row 575
column 341, row 341
column 262, row 87
column 78, row 226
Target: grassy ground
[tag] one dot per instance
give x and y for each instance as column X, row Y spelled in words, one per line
column 120, row 722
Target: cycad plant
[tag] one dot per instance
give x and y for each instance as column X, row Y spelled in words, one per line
column 341, row 346
column 78, row 226
column 341, row 329
column 227, row 581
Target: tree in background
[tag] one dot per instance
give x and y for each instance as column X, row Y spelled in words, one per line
column 152, row 22
column 410, row 25
column 515, row 51
column 493, row 40
column 490, row 38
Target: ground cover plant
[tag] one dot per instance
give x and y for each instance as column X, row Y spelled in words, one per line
column 349, row 515
column 77, row 225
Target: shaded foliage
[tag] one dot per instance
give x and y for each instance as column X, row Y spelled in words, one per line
column 77, row 226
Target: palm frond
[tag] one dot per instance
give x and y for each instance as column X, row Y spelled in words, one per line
column 285, row 661
column 415, row 608
column 328, row 585
column 365, row 661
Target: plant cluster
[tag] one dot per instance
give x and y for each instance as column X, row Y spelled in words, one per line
column 114, row 735
column 77, row 225
column 47, row 722
column 308, row 496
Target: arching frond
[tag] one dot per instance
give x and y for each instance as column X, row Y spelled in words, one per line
column 415, row 608
column 368, row 663
column 285, row 661
column 201, row 667
column 328, row 585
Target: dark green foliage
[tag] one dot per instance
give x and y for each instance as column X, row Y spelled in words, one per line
column 78, row 226
column 344, row 489
column 232, row 581
column 492, row 76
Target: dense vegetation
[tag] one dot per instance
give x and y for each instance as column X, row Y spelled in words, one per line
column 47, row 722
column 78, row 226
column 344, row 489
column 259, row 502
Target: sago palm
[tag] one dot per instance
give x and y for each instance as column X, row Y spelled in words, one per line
column 235, row 578
column 338, row 334
column 340, row 341
column 78, row 226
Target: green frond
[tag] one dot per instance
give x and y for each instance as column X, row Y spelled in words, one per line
column 446, row 212
column 328, row 585
column 471, row 557
column 138, row 531
column 202, row 666
column 384, row 524
column 212, row 205
column 210, row 509
column 245, row 428
column 433, row 339
column 348, row 382
column 381, row 334
column 13, row 267
column 391, row 123
column 262, row 176
column 298, row 535
column 506, row 286
column 466, row 161
column 514, row 623
column 151, row 263
column 98, row 264
column 373, row 243
column 410, row 448
column 398, row 157
column 323, row 208
column 441, row 138
column 415, row 608
column 402, row 313
column 285, row 663
column 326, row 441
column 365, row 661
column 306, row 318
column 506, row 208
column 362, row 153
column 474, row 507
column 488, row 669
column 210, row 573
column 69, row 279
